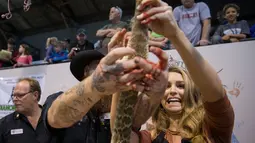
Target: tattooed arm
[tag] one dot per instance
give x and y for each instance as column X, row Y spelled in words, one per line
column 72, row 105
column 107, row 79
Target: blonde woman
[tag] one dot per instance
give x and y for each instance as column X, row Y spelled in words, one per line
column 184, row 116
column 50, row 44
column 184, row 113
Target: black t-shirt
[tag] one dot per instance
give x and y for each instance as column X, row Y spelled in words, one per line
column 15, row 128
column 86, row 46
column 91, row 129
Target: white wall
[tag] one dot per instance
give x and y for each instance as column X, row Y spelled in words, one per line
column 57, row 77
column 236, row 59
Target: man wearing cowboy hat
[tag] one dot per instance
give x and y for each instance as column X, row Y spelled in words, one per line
column 99, row 77
column 95, row 125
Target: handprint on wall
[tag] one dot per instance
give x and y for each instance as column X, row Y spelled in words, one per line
column 237, row 87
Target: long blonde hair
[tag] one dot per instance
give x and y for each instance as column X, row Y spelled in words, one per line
column 191, row 122
column 51, row 41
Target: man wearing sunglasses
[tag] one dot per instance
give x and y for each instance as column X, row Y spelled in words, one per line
column 25, row 124
column 115, row 25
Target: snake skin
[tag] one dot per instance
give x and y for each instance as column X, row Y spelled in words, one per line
column 124, row 115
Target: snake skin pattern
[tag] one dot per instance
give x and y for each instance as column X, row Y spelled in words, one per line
column 124, row 114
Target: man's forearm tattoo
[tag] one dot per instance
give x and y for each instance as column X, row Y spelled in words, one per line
column 97, row 81
column 71, row 111
column 80, row 89
column 69, row 114
column 106, row 73
column 113, row 69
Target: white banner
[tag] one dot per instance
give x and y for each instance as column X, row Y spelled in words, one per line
column 7, row 85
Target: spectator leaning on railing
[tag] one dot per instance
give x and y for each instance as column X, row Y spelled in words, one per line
column 106, row 33
column 58, row 54
column 194, row 20
column 50, row 44
column 234, row 30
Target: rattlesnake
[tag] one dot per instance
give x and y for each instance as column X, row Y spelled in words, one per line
column 124, row 114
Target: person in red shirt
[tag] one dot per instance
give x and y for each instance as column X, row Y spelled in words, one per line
column 24, row 58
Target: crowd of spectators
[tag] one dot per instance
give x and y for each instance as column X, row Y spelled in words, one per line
column 194, row 19
column 42, row 124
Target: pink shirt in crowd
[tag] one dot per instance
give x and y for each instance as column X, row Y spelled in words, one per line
column 25, row 59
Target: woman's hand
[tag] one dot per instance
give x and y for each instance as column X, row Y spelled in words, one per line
column 155, row 84
column 159, row 18
column 117, row 40
column 118, row 75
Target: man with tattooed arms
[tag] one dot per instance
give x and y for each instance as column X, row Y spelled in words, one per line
column 100, row 77
column 95, row 125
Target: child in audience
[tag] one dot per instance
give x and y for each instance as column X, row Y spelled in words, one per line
column 24, row 58
column 58, row 54
column 158, row 40
column 234, row 30
column 50, row 44
column 66, row 44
